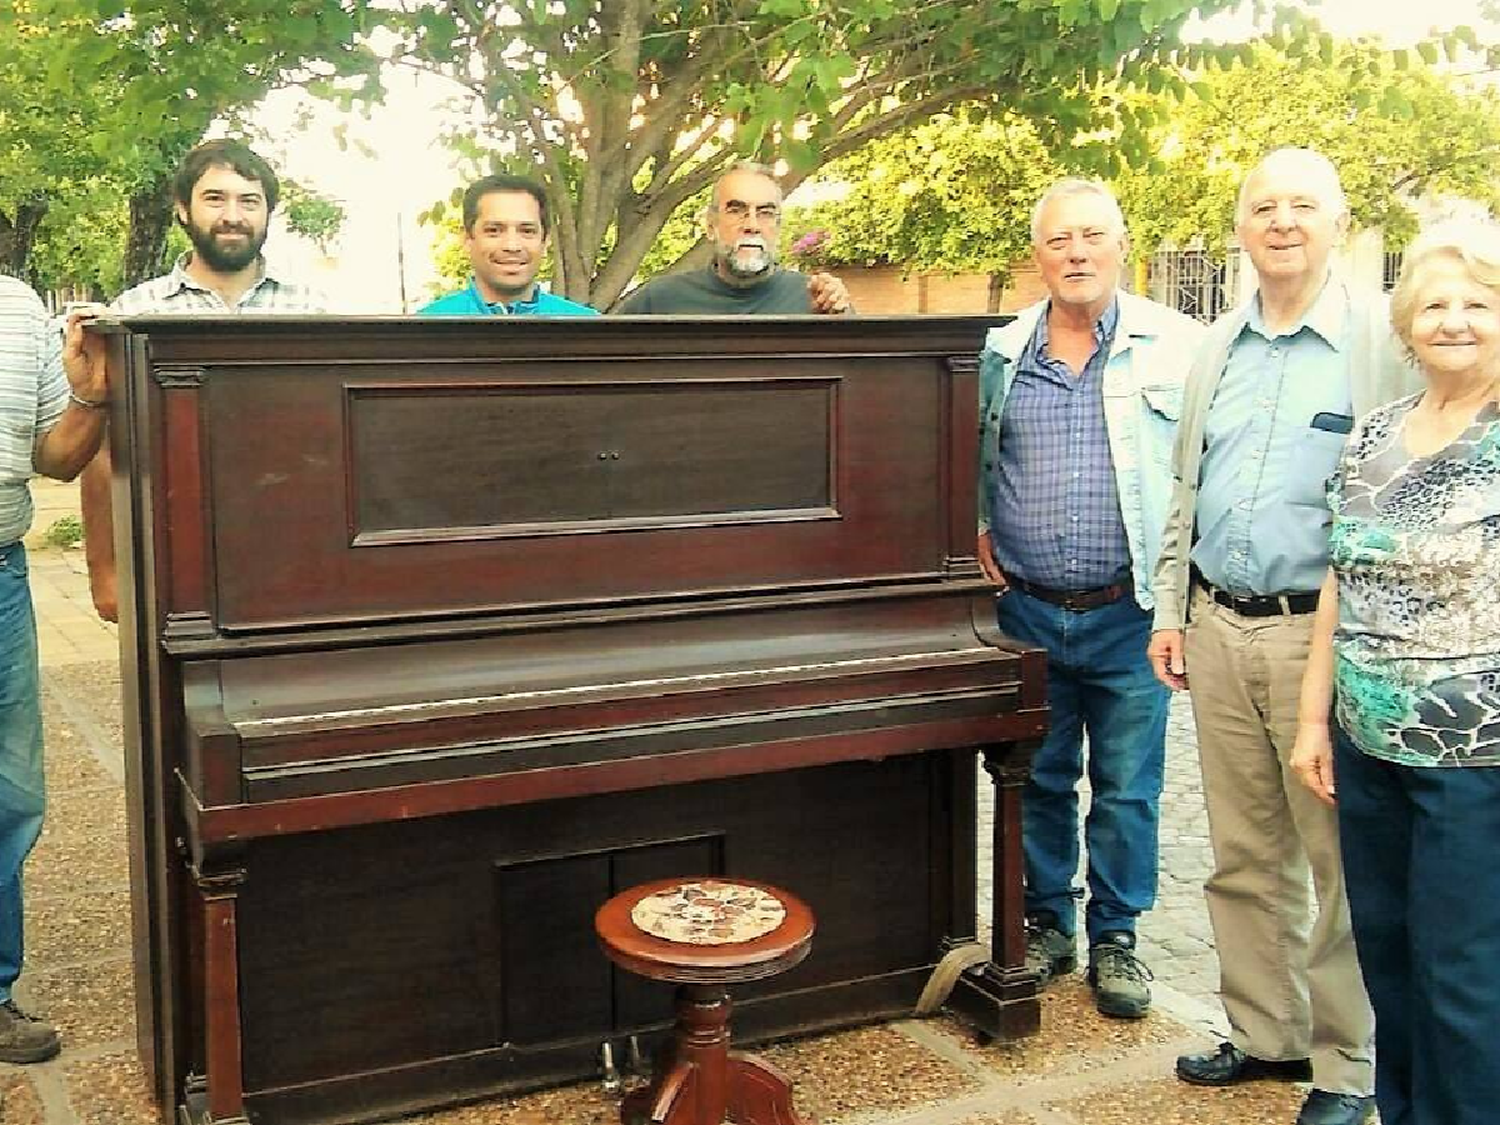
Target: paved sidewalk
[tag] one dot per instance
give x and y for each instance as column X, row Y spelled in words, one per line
column 1082, row 1069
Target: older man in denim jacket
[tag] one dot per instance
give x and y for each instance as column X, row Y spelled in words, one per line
column 1080, row 397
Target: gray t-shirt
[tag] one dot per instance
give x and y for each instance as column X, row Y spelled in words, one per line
column 704, row 293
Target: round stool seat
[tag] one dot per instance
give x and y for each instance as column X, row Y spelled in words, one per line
column 705, row 934
column 708, row 911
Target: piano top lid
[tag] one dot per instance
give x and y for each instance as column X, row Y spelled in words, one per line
column 177, row 338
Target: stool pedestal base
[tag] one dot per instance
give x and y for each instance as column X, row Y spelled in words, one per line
column 698, row 1080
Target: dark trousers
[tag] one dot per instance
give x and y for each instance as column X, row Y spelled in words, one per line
column 1422, row 864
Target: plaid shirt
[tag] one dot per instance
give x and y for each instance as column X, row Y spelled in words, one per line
column 1056, row 516
column 177, row 292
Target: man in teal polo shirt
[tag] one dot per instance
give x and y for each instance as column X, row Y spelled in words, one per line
column 505, row 233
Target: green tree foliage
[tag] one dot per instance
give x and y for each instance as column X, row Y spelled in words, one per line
column 629, row 109
column 312, row 215
column 119, row 90
column 40, row 153
column 1395, row 126
column 955, row 193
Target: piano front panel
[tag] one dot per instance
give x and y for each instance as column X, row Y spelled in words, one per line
column 401, row 490
column 535, row 459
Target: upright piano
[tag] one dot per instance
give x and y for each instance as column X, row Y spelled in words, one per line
column 438, row 633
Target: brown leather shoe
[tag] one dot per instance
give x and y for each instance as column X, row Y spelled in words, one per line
column 1228, row 1065
column 24, row 1038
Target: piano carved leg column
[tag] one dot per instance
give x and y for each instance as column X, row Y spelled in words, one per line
column 218, row 1098
column 999, row 997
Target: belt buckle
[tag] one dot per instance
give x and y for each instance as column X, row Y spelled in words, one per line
column 1080, row 601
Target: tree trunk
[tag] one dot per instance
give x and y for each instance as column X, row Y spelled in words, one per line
column 996, row 292
column 18, row 233
column 150, row 220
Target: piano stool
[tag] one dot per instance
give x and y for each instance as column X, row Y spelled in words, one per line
column 697, row 1079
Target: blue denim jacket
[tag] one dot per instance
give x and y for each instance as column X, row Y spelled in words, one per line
column 1143, row 382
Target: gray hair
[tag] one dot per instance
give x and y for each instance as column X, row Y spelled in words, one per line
column 1314, row 161
column 754, row 168
column 1075, row 185
column 1473, row 243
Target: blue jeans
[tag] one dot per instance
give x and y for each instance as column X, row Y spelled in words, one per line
column 1424, row 897
column 21, row 790
column 1099, row 683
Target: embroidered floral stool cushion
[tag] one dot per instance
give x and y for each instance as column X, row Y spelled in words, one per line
column 704, row 935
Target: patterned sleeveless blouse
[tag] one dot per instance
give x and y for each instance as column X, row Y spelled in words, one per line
column 1416, row 547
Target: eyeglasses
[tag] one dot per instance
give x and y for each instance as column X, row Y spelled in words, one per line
column 739, row 209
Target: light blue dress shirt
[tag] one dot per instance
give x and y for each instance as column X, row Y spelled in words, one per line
column 1275, row 429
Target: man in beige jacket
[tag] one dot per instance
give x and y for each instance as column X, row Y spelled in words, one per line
column 1271, row 397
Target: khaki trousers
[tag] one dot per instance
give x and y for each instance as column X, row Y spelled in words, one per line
column 1291, row 989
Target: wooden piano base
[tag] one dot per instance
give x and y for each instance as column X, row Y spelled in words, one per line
column 394, row 967
column 998, row 1004
column 194, row 1108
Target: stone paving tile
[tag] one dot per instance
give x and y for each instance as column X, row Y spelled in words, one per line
column 94, row 688
column 894, row 1073
column 70, row 763
column 854, row 1076
column 19, row 1104
column 110, row 1090
column 1074, row 1038
column 83, row 844
column 73, row 769
column 90, row 1004
column 584, row 1104
column 65, row 929
column 1170, row 1102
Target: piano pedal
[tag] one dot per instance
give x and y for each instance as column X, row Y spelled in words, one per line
column 635, row 1060
column 612, row 1082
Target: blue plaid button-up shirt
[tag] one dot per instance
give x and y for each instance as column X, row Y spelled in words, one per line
column 1056, row 514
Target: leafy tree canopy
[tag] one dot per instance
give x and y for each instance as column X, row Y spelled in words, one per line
column 955, row 193
column 629, row 108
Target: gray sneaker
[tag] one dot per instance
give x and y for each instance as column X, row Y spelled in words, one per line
column 1050, row 953
column 1119, row 977
column 24, row 1038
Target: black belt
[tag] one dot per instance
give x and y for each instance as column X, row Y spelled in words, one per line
column 1259, row 605
column 1075, row 600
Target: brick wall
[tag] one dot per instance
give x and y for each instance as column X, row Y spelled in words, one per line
column 884, row 291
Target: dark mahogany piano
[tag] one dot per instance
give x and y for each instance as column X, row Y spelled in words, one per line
column 439, row 633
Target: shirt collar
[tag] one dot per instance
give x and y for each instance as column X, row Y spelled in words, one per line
column 180, row 279
column 1328, row 316
column 501, row 308
column 743, row 290
column 1104, row 327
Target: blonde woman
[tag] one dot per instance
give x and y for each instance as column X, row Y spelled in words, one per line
column 1400, row 708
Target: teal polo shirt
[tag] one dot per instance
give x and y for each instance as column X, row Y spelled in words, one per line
column 468, row 302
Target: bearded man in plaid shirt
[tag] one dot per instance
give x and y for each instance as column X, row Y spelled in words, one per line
column 225, row 195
